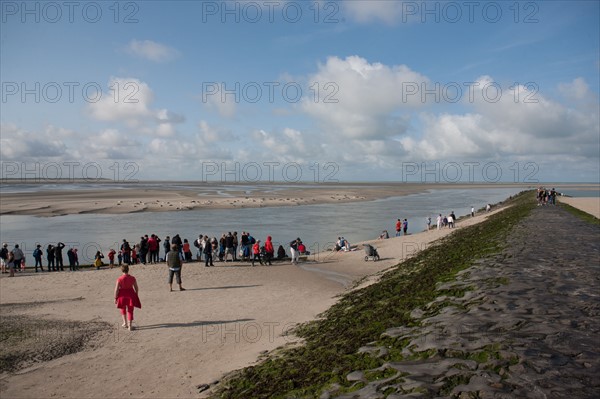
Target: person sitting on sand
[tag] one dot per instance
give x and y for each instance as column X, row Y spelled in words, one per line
column 174, row 264
column 302, row 249
column 384, row 235
column 281, row 253
column 127, row 296
column 98, row 260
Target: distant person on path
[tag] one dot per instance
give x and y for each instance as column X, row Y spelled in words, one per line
column 405, row 226
column 488, row 208
column 127, row 296
column 58, row 256
column 174, row 264
column 398, row 227
column 50, row 257
column 256, row 253
column 453, row 219
column 37, row 255
column 472, row 211
column 439, row 221
column 269, row 251
column 428, row 221
column 384, row 235
column 4, row 257
column 450, row 221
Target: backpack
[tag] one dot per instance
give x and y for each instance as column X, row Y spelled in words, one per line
column 4, row 253
column 37, row 252
column 252, row 240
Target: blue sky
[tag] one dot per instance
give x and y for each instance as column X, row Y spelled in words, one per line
column 374, row 90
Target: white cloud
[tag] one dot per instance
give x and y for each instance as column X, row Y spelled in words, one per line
column 507, row 129
column 360, row 100
column 152, row 51
column 19, row 144
column 130, row 102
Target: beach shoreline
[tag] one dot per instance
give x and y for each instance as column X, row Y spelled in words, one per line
column 230, row 315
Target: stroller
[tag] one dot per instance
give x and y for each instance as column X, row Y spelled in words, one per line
column 371, row 252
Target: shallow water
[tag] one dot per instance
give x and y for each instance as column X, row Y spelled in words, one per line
column 317, row 225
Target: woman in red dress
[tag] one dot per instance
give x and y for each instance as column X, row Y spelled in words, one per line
column 126, row 296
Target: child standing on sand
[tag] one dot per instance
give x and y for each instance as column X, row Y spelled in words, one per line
column 126, row 296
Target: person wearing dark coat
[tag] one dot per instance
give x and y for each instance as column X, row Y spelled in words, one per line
column 58, row 256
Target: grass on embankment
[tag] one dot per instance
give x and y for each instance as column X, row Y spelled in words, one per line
column 586, row 217
column 329, row 353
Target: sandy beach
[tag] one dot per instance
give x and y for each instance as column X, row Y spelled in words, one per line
column 225, row 319
column 140, row 198
column 589, row 205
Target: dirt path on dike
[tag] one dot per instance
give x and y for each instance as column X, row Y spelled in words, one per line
column 528, row 327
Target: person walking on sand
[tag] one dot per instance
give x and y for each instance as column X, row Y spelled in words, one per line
column 439, row 221
column 269, row 251
column 256, row 253
column 127, row 296
column 428, row 221
column 472, row 211
column 174, row 263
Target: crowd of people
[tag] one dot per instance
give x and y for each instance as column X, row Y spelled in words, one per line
column 228, row 248
column 545, row 196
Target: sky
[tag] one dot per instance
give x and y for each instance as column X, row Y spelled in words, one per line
column 311, row 91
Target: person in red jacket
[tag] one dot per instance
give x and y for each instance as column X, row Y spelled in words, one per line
column 269, row 251
column 256, row 252
column 126, row 296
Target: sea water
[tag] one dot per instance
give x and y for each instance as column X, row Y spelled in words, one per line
column 318, row 226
